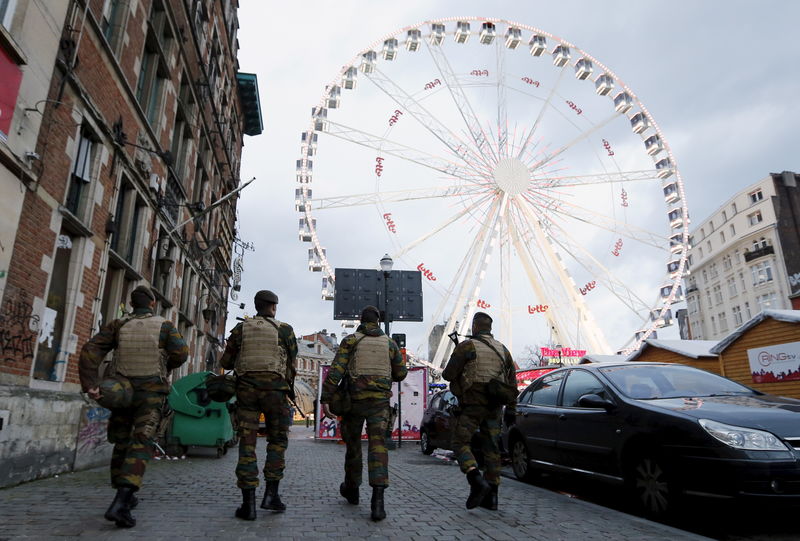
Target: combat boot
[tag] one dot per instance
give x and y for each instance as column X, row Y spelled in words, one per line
column 478, row 488
column 378, row 512
column 490, row 500
column 119, row 511
column 272, row 500
column 247, row 510
column 349, row 493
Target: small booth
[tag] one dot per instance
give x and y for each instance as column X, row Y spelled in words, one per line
column 764, row 353
column 696, row 353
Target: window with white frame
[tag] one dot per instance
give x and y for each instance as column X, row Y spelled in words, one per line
column 724, row 216
column 733, row 208
column 713, row 271
column 747, row 312
column 732, row 287
column 717, row 294
column 726, row 263
column 737, row 315
column 732, row 230
column 760, row 243
column 112, row 22
column 708, row 298
column 722, row 237
column 705, row 276
column 762, row 272
column 708, row 246
column 741, row 280
column 81, row 176
column 766, row 301
column 756, row 196
column 693, row 304
column 755, row 218
column 713, row 325
column 723, row 322
column 700, row 251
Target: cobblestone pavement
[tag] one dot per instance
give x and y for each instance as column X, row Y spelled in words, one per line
column 195, row 499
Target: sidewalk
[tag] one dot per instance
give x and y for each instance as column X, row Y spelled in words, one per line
column 195, row 499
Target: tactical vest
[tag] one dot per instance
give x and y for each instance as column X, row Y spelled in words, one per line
column 138, row 352
column 487, row 364
column 262, row 350
column 371, row 357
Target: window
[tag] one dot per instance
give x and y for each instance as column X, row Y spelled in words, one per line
column 705, row 276
column 694, row 305
column 737, row 315
column 713, row 325
column 741, row 280
column 733, row 208
column 125, row 240
column 708, row 298
column 713, row 271
column 702, row 233
column 700, row 251
column 718, row 294
column 756, row 196
column 51, row 355
column 762, row 272
column 708, row 246
column 732, row 287
column 81, row 174
column 187, row 287
column 112, row 22
column 759, row 244
column 723, row 322
column 747, row 310
column 722, row 237
column 726, row 263
column 546, row 391
column 153, row 71
column 579, row 383
column 754, row 218
column 732, row 230
column 766, row 301
column 724, row 216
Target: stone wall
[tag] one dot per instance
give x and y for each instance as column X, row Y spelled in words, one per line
column 45, row 433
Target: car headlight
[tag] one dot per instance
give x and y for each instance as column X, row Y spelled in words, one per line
column 742, row 438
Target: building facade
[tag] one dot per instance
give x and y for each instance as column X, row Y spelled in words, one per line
column 742, row 258
column 140, row 131
column 313, row 351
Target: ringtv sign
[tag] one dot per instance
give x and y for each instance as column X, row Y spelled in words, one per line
column 775, row 363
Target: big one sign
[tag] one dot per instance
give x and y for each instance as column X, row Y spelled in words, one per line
column 775, row 363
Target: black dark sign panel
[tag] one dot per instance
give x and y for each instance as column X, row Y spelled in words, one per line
column 357, row 288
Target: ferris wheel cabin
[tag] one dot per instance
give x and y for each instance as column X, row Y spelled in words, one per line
column 604, row 84
column 561, row 55
column 513, row 37
column 538, row 45
column 488, row 33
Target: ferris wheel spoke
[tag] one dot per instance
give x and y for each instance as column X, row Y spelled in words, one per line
column 613, row 177
column 426, row 119
column 372, row 198
column 462, row 103
column 581, row 137
column 442, row 226
column 405, row 152
column 502, row 104
column 539, row 117
column 589, row 327
column 625, row 230
column 599, row 271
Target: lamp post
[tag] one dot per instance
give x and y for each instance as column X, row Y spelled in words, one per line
column 386, row 266
column 558, row 347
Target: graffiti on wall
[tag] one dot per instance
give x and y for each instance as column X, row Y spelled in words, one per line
column 92, row 431
column 19, row 328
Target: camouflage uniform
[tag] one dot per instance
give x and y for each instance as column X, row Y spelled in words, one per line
column 370, row 402
column 132, row 429
column 266, row 392
column 475, row 412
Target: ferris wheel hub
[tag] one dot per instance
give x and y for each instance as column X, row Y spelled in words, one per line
column 511, row 176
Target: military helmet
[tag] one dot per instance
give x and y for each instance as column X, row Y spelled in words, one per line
column 220, row 388
column 115, row 392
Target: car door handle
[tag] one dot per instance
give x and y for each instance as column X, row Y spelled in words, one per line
column 524, row 413
column 562, row 417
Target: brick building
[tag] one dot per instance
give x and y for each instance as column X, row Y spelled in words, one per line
column 142, row 120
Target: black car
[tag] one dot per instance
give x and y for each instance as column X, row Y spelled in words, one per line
column 663, row 430
column 438, row 422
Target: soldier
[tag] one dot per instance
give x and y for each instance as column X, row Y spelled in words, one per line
column 262, row 351
column 372, row 361
column 473, row 364
column 147, row 348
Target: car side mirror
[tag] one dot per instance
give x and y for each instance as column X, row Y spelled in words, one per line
column 595, row 401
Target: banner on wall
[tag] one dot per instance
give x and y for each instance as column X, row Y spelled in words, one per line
column 775, row 363
column 413, row 404
column 10, row 79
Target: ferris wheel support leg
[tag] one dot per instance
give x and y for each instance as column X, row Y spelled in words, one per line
column 591, row 331
column 472, row 279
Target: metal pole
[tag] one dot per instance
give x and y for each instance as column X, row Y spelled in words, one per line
column 386, row 275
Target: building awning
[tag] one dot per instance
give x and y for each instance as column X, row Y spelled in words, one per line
column 251, row 105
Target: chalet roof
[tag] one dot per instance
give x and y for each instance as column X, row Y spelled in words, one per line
column 597, row 358
column 688, row 348
column 790, row 316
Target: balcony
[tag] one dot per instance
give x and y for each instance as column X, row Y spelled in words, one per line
column 755, row 254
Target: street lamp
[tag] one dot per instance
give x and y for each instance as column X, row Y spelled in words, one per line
column 386, row 266
column 386, row 263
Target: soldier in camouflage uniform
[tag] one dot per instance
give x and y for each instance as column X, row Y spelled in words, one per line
column 147, row 348
column 372, row 361
column 262, row 351
column 472, row 365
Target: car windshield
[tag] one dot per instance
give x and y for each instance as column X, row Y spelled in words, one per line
column 670, row 381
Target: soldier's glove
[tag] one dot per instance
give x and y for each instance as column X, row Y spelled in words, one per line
column 509, row 417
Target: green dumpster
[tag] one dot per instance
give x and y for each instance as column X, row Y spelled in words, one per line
column 197, row 420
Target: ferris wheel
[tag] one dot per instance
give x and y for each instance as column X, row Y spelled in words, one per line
column 517, row 172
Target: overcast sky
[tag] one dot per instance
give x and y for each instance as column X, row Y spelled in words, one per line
column 720, row 77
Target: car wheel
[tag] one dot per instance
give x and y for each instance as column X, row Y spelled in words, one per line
column 519, row 460
column 652, row 486
column 425, row 444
